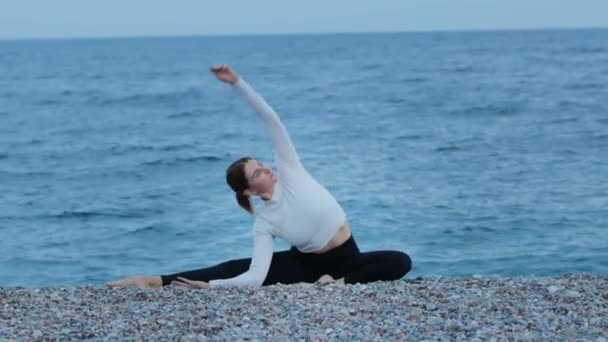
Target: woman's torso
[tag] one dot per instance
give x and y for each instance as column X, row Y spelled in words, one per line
column 304, row 213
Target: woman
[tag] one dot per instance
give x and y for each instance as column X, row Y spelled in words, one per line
column 297, row 209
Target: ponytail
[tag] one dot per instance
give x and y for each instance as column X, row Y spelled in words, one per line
column 244, row 202
column 235, row 177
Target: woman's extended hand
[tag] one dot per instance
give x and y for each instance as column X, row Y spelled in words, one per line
column 224, row 73
column 190, row 283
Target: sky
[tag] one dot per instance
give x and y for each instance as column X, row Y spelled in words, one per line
column 123, row 18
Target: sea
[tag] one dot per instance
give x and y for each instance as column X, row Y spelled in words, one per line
column 475, row 152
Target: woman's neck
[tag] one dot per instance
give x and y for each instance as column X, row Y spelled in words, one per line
column 266, row 196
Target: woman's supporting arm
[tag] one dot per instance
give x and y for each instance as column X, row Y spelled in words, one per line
column 260, row 264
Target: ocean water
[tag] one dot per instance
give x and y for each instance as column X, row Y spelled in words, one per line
column 474, row 152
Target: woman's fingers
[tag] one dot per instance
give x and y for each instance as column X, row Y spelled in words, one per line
column 188, row 283
column 224, row 73
column 179, row 283
column 218, row 68
column 186, row 280
column 182, row 282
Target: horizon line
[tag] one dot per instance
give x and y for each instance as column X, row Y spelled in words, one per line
column 301, row 33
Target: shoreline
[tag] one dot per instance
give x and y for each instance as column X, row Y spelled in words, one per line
column 528, row 308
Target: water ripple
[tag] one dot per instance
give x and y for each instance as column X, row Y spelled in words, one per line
column 181, row 160
column 495, row 154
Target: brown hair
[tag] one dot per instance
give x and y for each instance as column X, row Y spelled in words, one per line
column 235, row 177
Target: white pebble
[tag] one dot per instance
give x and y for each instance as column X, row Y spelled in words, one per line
column 572, row 294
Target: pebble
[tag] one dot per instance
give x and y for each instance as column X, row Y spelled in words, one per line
column 572, row 294
column 480, row 308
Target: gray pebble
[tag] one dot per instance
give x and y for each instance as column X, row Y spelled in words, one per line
column 552, row 289
column 482, row 308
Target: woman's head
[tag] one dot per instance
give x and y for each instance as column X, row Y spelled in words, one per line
column 248, row 177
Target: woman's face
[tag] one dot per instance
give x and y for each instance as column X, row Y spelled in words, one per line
column 260, row 177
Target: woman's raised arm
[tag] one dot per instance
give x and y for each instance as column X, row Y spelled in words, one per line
column 286, row 155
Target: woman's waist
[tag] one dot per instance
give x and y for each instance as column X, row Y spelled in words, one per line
column 342, row 244
column 339, row 237
column 312, row 240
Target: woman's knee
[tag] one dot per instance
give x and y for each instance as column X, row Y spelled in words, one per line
column 403, row 263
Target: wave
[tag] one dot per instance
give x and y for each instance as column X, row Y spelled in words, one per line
column 47, row 102
column 147, row 99
column 414, row 80
column 447, row 149
column 152, row 228
column 89, row 214
column 33, row 142
column 584, row 86
column 467, row 230
column 485, row 218
column 183, row 114
column 226, row 135
column 396, row 100
column 600, row 137
column 489, row 110
column 56, row 244
column 371, row 67
column 19, row 260
column 563, row 121
column 458, row 69
column 76, row 214
column 126, row 149
column 312, row 89
column 482, row 229
column 27, row 173
column 409, row 137
column 181, row 160
column 587, row 50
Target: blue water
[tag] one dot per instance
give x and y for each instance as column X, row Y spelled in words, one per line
column 474, row 152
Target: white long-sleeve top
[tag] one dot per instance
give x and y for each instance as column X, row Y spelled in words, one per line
column 301, row 210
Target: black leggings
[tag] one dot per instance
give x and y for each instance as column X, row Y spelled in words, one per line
column 292, row 266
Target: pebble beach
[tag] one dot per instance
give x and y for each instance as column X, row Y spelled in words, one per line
column 476, row 308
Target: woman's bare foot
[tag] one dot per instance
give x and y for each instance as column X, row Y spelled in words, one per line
column 326, row 278
column 143, row 282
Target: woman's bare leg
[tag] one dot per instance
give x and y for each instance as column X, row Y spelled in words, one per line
column 284, row 269
column 144, row 282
